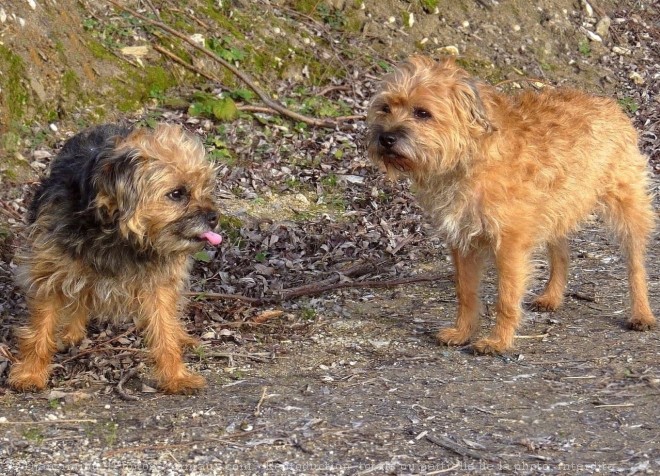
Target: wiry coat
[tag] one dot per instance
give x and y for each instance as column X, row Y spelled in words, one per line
column 501, row 175
column 111, row 232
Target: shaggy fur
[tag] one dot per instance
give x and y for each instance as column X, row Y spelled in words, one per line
column 111, row 232
column 500, row 175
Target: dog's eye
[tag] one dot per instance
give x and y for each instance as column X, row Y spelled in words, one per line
column 178, row 194
column 386, row 109
column 421, row 113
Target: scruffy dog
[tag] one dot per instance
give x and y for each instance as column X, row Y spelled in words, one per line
column 112, row 230
column 501, row 175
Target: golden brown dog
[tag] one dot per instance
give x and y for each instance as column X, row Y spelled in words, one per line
column 501, row 175
column 112, row 230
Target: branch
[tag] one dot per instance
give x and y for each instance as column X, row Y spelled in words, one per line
column 243, row 76
column 330, row 284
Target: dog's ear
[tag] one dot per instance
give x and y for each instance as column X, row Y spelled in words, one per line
column 114, row 190
column 469, row 100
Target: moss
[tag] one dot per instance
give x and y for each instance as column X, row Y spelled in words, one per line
column 231, row 228
column 70, row 83
column 97, row 49
column 15, row 94
column 141, row 85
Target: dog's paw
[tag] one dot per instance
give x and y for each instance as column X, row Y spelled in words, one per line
column 641, row 323
column 453, row 336
column 490, row 346
column 189, row 341
column 24, row 379
column 186, row 384
column 545, row 303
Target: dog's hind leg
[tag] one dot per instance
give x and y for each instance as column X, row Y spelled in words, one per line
column 631, row 216
column 37, row 344
column 553, row 295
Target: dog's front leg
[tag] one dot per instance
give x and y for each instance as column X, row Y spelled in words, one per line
column 468, row 266
column 165, row 335
column 512, row 259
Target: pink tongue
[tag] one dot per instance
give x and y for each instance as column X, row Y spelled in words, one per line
column 211, row 237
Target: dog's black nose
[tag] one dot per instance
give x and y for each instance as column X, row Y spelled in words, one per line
column 387, row 139
column 212, row 218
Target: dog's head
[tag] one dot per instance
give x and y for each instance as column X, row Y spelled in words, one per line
column 426, row 118
column 155, row 188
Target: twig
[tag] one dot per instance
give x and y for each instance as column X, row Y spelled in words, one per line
column 458, row 449
column 257, row 410
column 183, row 63
column 267, row 315
column 613, row 405
column 320, row 287
column 535, row 336
column 524, row 80
column 101, row 347
column 120, row 386
column 246, row 78
column 45, row 422
column 582, row 297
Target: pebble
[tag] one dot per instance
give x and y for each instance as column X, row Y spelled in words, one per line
column 516, row 27
column 621, row 51
column 591, row 35
column 636, row 78
column 603, row 26
column 198, row 38
column 53, row 127
column 3, row 15
column 465, row 24
column 449, row 50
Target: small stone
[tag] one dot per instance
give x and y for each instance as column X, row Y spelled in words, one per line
column 449, row 50
column 636, row 78
column 53, row 127
column 592, row 36
column 603, row 26
column 621, row 51
column 391, row 20
column 32, row 4
column 588, row 9
column 516, row 27
column 277, row 31
column 3, row 15
column 198, row 38
column 411, row 20
column 465, row 24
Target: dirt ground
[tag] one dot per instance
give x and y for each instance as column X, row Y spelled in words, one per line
column 353, row 382
column 370, row 392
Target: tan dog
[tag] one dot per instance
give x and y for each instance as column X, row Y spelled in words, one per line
column 112, row 231
column 502, row 175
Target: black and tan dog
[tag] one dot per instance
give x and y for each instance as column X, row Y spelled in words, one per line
column 112, row 230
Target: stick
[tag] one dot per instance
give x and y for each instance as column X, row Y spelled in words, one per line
column 246, row 78
column 120, row 386
column 45, row 422
column 180, row 61
column 458, row 449
column 524, row 80
column 266, row 315
column 320, row 287
column 101, row 346
column 257, row 410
